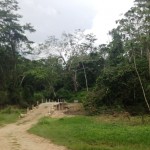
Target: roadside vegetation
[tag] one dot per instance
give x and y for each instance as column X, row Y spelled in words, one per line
column 95, row 133
column 9, row 115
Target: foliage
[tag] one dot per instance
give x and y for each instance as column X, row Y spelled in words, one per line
column 38, row 96
column 125, row 78
column 80, row 96
column 110, row 75
column 12, row 37
column 118, row 86
column 3, row 98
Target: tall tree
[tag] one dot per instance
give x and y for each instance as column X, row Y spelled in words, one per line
column 116, row 48
column 12, row 33
column 12, row 38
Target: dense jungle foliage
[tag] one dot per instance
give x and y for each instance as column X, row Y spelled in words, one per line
column 114, row 75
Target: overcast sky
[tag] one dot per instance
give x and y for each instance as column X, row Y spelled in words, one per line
column 53, row 17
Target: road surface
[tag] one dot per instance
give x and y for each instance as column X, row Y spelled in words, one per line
column 16, row 137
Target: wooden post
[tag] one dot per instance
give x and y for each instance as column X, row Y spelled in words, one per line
column 37, row 104
column 27, row 110
column 49, row 111
column 32, row 107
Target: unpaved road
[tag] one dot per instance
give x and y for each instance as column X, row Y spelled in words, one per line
column 16, row 137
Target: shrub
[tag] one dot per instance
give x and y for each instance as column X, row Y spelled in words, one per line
column 62, row 93
column 38, row 96
column 80, row 96
column 9, row 110
column 3, row 97
column 93, row 101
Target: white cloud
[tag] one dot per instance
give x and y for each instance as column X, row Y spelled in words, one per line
column 52, row 17
column 47, row 11
column 29, row 2
column 107, row 13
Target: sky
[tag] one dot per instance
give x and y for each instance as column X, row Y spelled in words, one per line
column 53, row 17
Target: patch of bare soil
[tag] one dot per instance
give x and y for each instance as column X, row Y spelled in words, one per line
column 16, row 137
column 75, row 109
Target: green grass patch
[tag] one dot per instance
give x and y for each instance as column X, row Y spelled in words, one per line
column 90, row 133
column 9, row 115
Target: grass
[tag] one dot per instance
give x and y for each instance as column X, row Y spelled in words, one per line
column 94, row 133
column 9, row 115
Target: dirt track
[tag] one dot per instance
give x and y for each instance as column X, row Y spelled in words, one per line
column 16, row 137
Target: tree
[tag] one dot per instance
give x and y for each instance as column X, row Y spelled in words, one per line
column 136, row 31
column 11, row 32
column 12, row 37
column 116, row 48
column 72, row 49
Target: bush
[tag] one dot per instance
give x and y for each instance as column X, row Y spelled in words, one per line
column 10, row 110
column 62, row 93
column 80, row 96
column 93, row 101
column 3, row 97
column 38, row 96
column 27, row 92
column 23, row 104
column 48, row 94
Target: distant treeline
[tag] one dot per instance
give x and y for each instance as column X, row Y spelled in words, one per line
column 109, row 76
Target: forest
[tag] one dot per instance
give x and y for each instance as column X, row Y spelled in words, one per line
column 108, row 76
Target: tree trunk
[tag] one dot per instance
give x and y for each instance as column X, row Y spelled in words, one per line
column 54, row 91
column 22, row 80
column 85, row 76
column 149, row 60
column 50, row 85
column 74, row 78
column 134, row 92
column 146, row 101
column 13, row 49
column 141, row 53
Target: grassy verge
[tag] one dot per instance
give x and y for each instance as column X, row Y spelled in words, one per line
column 9, row 115
column 92, row 133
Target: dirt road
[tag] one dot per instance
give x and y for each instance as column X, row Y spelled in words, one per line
column 16, row 137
